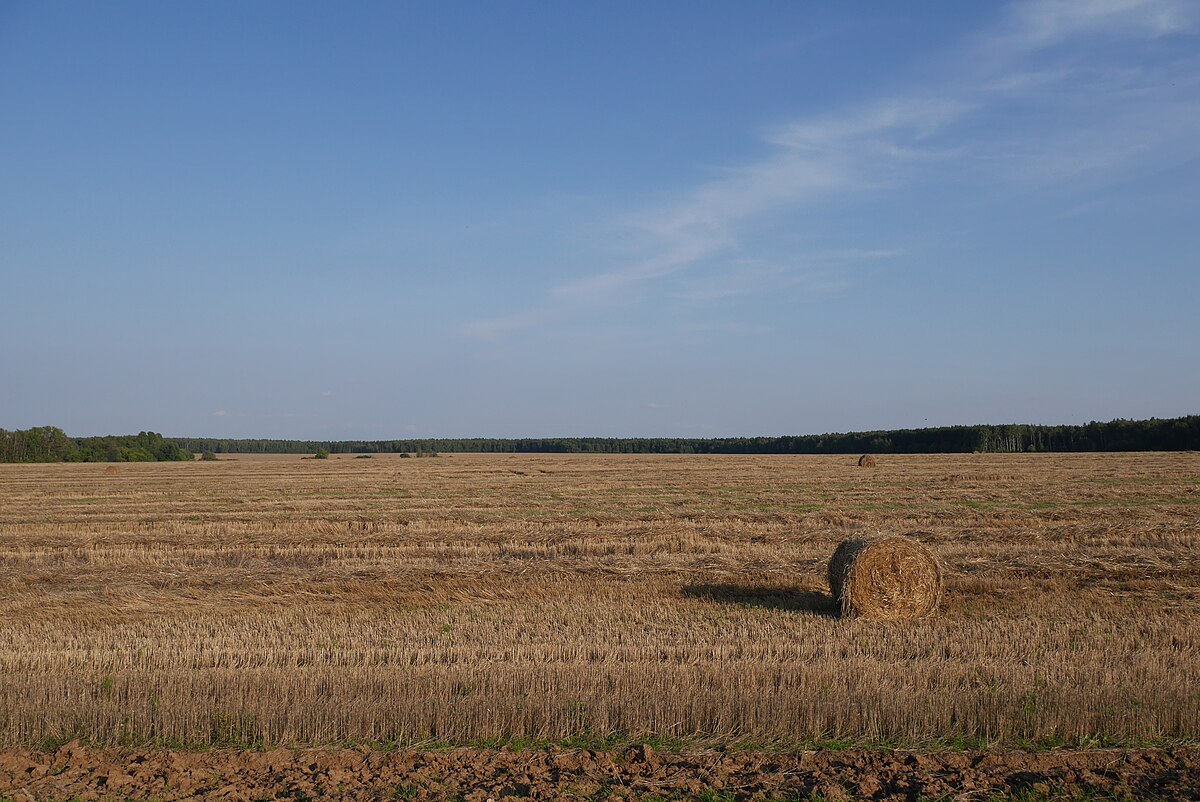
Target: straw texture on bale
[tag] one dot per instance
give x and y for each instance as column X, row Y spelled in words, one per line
column 866, row 461
column 111, row 470
column 887, row 578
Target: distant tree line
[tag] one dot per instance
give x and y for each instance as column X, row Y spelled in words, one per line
column 1175, row 434
column 51, row 444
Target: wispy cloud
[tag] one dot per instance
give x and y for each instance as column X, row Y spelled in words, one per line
column 1041, row 23
column 729, row 329
column 821, row 273
column 891, row 141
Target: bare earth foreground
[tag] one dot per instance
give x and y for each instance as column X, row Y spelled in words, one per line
column 572, row 605
column 638, row 773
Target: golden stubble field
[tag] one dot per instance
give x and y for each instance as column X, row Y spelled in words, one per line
column 468, row 598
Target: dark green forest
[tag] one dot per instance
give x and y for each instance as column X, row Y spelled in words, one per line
column 51, row 444
column 1176, row 434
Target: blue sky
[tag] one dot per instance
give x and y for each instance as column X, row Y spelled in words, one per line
column 537, row 219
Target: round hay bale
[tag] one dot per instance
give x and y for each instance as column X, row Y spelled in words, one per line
column 866, row 461
column 111, row 470
column 887, row 578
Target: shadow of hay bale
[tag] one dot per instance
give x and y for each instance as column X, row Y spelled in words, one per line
column 772, row 598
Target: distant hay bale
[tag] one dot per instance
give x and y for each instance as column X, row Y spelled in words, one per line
column 866, row 461
column 111, row 470
column 887, row 578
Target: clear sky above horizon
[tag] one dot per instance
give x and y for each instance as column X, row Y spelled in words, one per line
column 379, row 220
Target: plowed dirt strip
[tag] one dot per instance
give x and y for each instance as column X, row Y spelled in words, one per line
column 475, row 775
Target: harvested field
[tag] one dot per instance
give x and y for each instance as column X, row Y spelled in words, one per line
column 594, row 599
